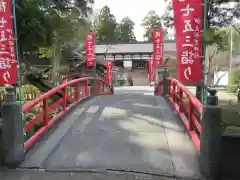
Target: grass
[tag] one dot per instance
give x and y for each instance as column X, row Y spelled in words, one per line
column 230, row 111
column 231, row 118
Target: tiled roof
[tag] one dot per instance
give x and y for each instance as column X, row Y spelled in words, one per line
column 146, row 48
column 169, row 46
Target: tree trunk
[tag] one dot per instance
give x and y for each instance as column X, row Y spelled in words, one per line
column 55, row 61
column 210, row 80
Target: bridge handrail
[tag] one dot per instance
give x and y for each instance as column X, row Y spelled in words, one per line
column 175, row 94
column 29, row 105
column 158, row 90
column 42, row 115
column 191, row 97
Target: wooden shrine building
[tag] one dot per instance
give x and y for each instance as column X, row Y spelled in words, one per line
column 133, row 57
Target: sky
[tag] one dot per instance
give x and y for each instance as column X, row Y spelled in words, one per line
column 136, row 10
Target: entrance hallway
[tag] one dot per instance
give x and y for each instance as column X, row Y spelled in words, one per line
column 130, row 131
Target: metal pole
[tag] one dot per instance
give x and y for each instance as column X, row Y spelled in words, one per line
column 107, row 51
column 17, row 54
column 230, row 49
column 204, row 48
column 108, row 48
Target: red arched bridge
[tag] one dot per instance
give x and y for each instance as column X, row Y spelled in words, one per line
column 124, row 129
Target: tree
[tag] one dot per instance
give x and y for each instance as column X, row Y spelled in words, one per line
column 83, row 7
column 51, row 28
column 35, row 21
column 218, row 52
column 218, row 16
column 124, row 31
column 33, row 27
column 67, row 33
column 104, row 26
column 236, row 40
column 151, row 21
column 216, row 55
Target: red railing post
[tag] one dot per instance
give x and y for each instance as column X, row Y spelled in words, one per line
column 86, row 88
column 158, row 91
column 190, row 114
column 174, row 92
column 99, row 85
column 45, row 111
column 169, row 88
column 181, row 104
column 65, row 97
column 103, row 87
column 77, row 90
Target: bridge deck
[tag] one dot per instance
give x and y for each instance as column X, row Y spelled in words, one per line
column 126, row 132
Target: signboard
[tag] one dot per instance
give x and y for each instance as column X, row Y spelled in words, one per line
column 139, row 64
column 89, row 43
column 108, row 71
column 151, row 70
column 8, row 60
column 157, row 36
column 188, row 18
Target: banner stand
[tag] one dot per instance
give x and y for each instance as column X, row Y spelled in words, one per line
column 19, row 83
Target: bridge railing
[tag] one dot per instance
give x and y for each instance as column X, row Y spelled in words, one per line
column 158, row 90
column 217, row 148
column 50, row 109
column 186, row 105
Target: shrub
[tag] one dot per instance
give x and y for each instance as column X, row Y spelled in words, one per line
column 234, row 80
column 29, row 92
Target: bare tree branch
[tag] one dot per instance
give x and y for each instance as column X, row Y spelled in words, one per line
column 219, row 78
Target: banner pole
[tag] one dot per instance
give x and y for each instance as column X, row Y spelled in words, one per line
column 204, row 48
column 19, row 84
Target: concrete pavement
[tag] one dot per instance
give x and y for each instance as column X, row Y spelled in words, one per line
column 42, row 175
column 130, row 132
